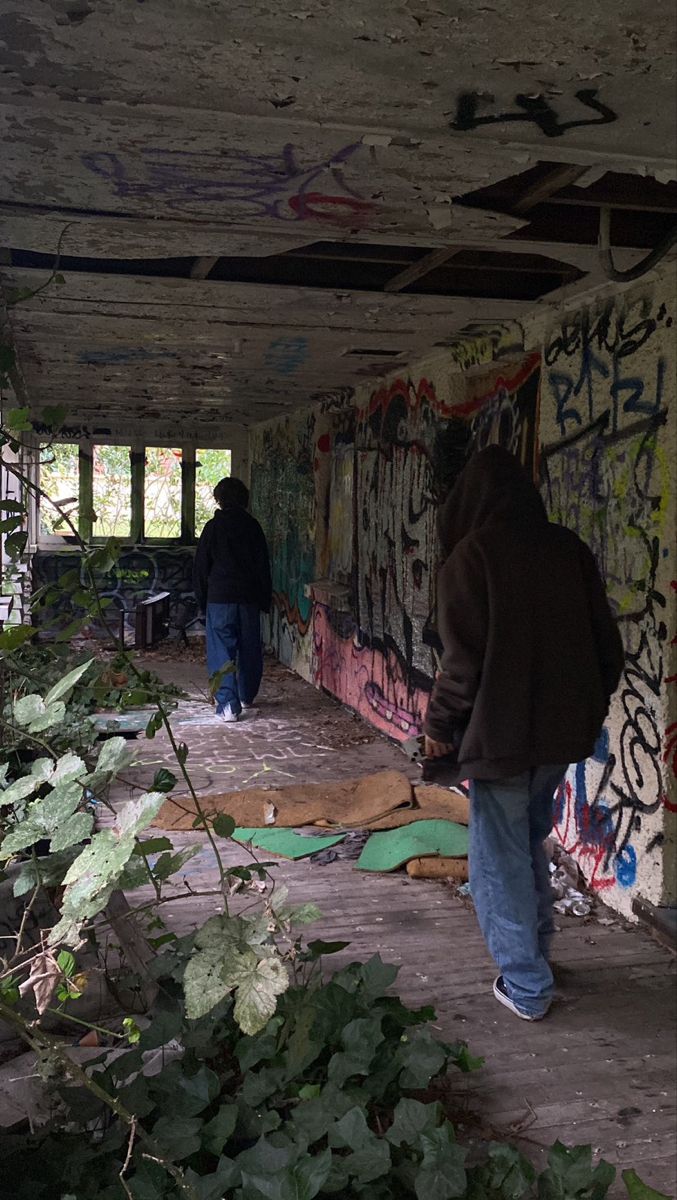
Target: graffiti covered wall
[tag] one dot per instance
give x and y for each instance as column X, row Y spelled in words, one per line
column 608, row 466
column 139, row 572
column 349, row 496
column 284, row 469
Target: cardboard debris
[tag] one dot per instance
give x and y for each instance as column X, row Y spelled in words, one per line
column 344, row 804
column 438, row 867
column 385, row 800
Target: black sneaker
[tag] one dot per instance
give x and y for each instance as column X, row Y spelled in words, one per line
column 501, row 994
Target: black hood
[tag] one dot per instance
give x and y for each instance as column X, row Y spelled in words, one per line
column 233, row 514
column 493, row 484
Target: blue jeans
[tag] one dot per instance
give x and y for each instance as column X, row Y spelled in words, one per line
column 510, row 881
column 234, row 636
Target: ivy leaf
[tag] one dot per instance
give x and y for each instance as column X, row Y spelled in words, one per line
column 314, row 1118
column 258, row 982
column 506, row 1173
column 221, row 1127
column 351, row 1131
column 371, row 1155
column 422, row 1058
column 570, row 1174
column 637, row 1190
column 442, row 1172
column 303, row 1181
column 361, row 1038
column 214, row 1186
column 178, row 1136
column 67, row 683
column 185, row 1095
column 411, row 1119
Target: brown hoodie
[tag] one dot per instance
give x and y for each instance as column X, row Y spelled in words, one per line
column 532, row 654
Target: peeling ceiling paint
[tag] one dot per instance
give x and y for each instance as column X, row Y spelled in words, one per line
column 211, row 128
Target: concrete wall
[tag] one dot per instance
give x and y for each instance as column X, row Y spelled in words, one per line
column 347, row 493
column 608, row 431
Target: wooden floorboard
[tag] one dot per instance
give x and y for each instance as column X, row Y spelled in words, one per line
column 599, row 1070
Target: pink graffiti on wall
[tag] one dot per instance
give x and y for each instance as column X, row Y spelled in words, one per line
column 367, row 680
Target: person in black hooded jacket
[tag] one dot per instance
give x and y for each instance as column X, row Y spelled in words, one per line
column 532, row 656
column 233, row 586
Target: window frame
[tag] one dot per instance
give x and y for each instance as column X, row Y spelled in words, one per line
column 52, row 541
column 137, row 450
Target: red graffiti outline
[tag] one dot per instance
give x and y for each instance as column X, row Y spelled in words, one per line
column 356, row 212
column 413, row 394
column 509, row 384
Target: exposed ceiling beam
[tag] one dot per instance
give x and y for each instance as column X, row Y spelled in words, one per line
column 424, row 266
column 202, row 266
column 556, row 179
column 595, row 201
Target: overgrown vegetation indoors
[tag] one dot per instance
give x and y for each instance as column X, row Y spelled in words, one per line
column 272, row 1078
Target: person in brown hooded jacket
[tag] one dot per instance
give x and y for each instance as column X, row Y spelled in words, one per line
column 531, row 658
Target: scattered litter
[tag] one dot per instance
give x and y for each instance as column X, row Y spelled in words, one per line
column 575, row 905
column 349, row 849
column 565, row 881
column 464, row 890
column 324, row 858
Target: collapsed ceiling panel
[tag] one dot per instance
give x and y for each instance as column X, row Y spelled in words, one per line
column 241, row 197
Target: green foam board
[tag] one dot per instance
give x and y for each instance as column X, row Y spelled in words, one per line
column 392, row 848
column 286, row 842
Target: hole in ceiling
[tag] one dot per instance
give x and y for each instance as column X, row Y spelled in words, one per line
column 372, row 353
